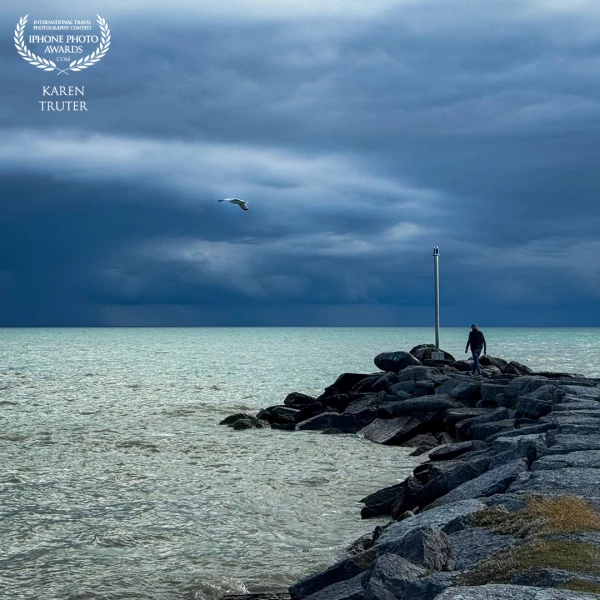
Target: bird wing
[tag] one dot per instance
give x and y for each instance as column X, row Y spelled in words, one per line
column 243, row 205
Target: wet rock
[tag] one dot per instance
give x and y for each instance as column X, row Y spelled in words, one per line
column 278, row 414
column 231, row 419
column 382, row 501
column 451, row 451
column 422, row 443
column 341, row 571
column 332, row 431
column 474, row 545
column 347, row 381
column 322, row 421
column 360, row 545
column 334, row 401
column 408, row 496
column 395, row 361
column 242, row 424
column 310, row 410
column 397, row 430
column 496, row 481
column 417, row 405
column 298, row 400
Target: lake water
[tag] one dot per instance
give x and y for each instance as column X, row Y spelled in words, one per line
column 116, row 481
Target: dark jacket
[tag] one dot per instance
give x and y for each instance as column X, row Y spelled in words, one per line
column 476, row 340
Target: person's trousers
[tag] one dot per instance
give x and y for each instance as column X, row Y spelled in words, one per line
column 476, row 365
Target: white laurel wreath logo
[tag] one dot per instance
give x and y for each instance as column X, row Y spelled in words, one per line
column 48, row 65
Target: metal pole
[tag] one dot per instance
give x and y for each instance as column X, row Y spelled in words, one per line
column 436, row 276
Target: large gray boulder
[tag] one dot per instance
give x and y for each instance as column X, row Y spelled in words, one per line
column 349, row 589
column 408, row 497
column 417, row 373
column 382, row 501
column 398, row 430
column 450, row 476
column 589, row 459
column 322, row 421
column 416, row 405
column 532, row 407
column 424, row 352
column 376, row 383
column 449, row 518
column 278, row 415
column 395, row 361
column 576, row 481
column 496, row 481
column 427, row 588
column 403, row 495
column 493, row 361
column 474, row 545
column 366, row 406
column 463, row 428
column 482, row 431
column 451, row 451
column 428, row 547
column 511, row 592
column 508, row 449
column 298, row 400
column 389, row 576
column 341, row 571
column 565, row 444
column 522, row 386
column 467, row 390
column 516, row 368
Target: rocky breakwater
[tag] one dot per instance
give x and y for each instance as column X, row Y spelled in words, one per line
column 507, row 502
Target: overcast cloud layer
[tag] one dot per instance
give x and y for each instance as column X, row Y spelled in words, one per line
column 361, row 133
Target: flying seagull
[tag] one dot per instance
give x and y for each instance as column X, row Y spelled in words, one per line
column 241, row 203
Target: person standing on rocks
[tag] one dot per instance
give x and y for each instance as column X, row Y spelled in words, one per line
column 477, row 342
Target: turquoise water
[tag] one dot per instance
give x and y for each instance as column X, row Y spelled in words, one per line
column 117, row 482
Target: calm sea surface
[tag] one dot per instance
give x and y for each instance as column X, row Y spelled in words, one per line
column 116, row 481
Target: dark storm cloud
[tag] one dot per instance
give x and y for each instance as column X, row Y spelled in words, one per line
column 362, row 134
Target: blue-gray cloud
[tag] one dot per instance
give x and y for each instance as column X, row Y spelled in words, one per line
column 362, row 134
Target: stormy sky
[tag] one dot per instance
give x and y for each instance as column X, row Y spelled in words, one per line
column 361, row 133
